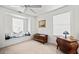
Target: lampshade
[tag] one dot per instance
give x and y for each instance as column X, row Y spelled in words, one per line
column 65, row 32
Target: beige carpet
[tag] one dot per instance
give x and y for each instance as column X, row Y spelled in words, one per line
column 30, row 47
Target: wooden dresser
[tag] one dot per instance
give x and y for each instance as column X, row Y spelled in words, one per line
column 69, row 47
column 43, row 38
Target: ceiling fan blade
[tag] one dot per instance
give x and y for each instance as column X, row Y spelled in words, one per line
column 33, row 11
column 33, row 6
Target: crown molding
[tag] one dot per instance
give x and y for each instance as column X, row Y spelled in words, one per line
column 52, row 10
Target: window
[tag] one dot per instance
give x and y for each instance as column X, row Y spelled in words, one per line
column 61, row 23
column 17, row 25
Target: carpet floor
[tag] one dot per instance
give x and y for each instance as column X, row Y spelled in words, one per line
column 30, row 47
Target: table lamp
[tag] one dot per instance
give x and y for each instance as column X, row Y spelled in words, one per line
column 65, row 33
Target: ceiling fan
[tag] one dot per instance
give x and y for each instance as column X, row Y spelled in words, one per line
column 30, row 7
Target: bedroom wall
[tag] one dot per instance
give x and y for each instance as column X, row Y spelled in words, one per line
column 6, row 25
column 74, row 19
column 33, row 28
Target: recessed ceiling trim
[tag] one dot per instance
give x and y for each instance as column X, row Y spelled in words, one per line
column 16, row 11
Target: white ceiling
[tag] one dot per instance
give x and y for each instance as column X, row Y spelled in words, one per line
column 36, row 11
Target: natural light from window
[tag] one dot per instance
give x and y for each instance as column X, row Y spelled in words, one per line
column 61, row 23
column 17, row 25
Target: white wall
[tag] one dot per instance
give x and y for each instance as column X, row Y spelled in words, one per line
column 6, row 25
column 1, row 28
column 33, row 25
column 74, row 19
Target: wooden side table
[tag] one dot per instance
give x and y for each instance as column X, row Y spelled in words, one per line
column 67, row 46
